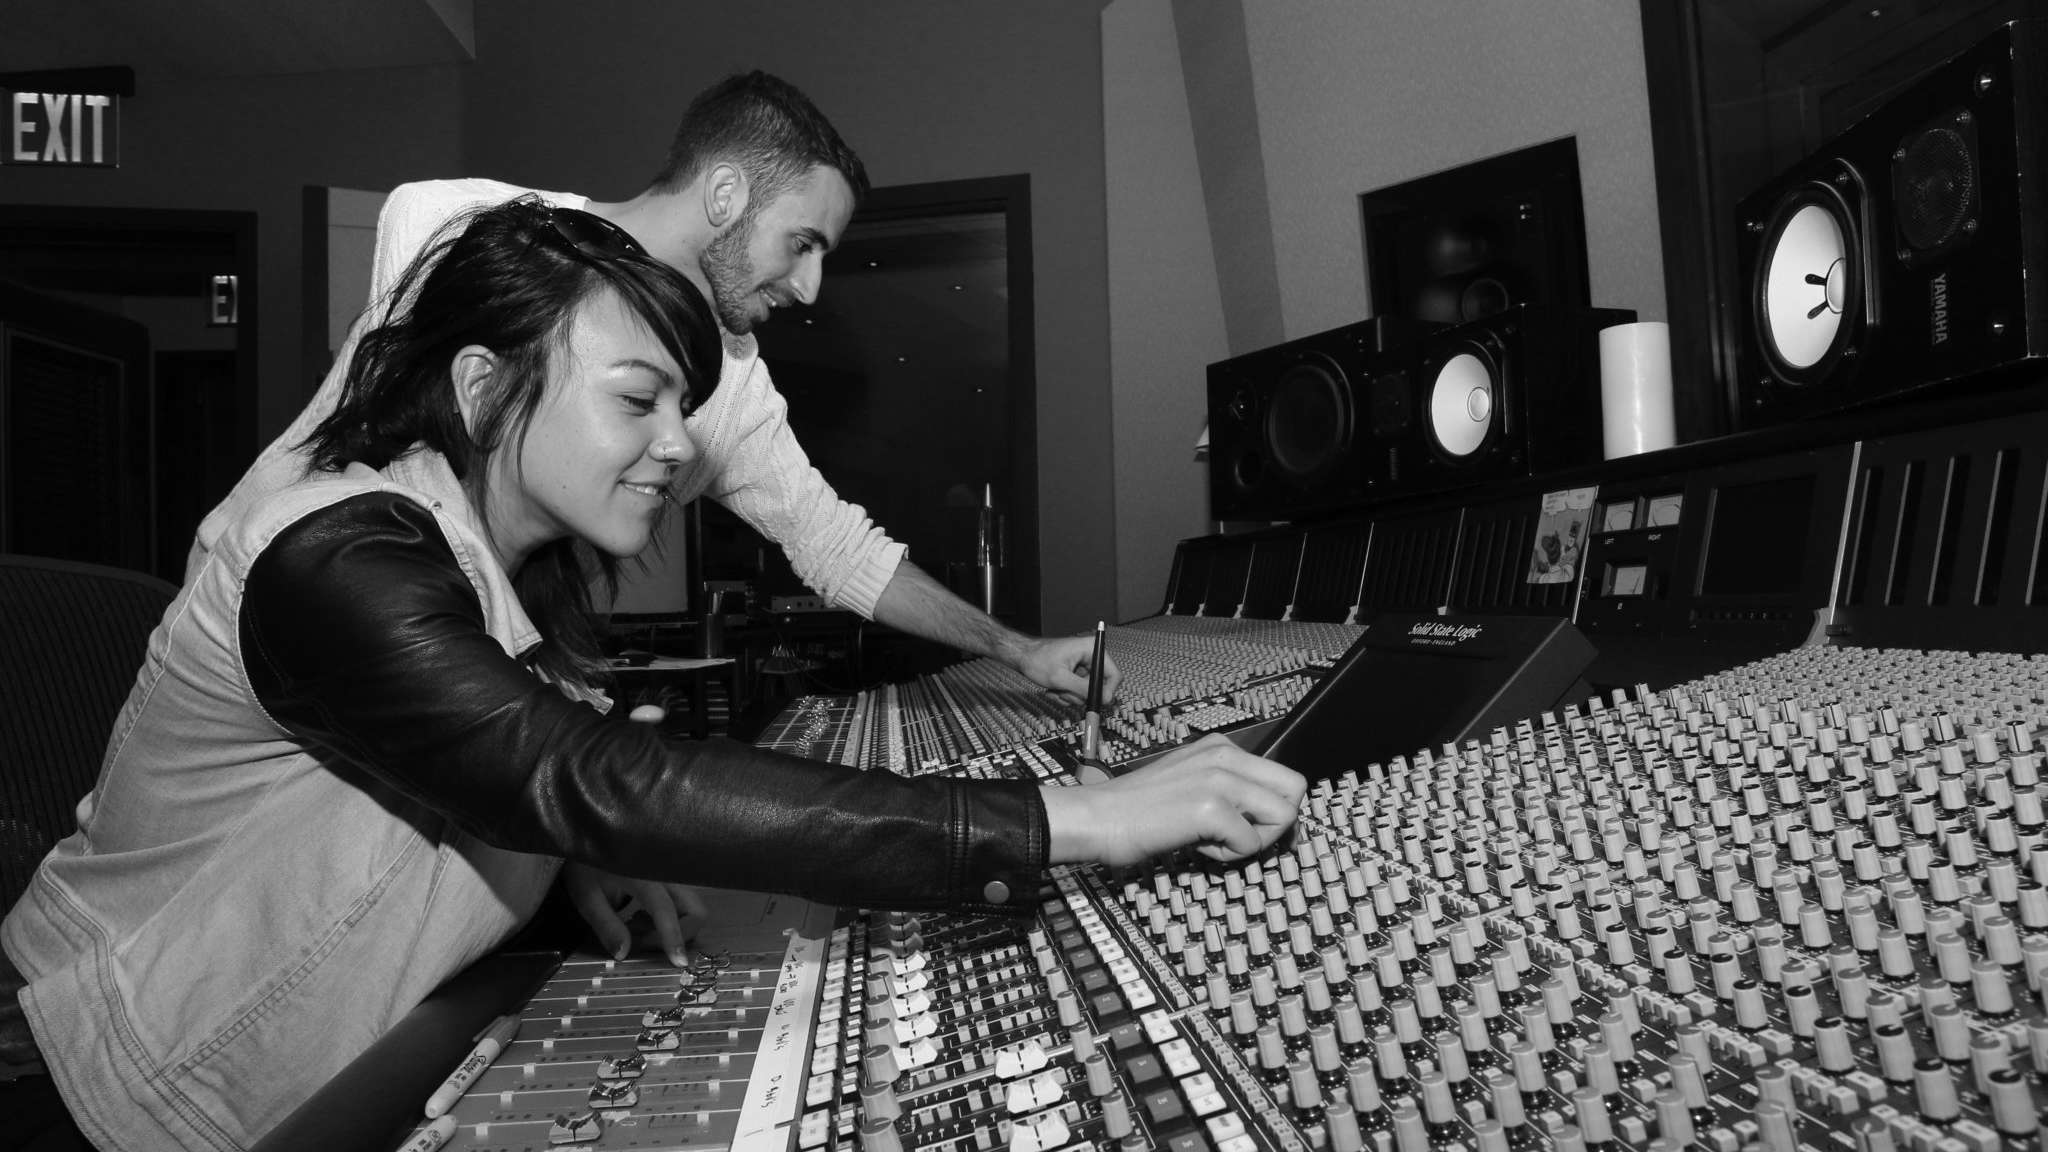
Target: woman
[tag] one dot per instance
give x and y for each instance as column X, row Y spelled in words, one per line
column 362, row 742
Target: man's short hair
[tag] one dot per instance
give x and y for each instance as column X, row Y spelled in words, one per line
column 766, row 127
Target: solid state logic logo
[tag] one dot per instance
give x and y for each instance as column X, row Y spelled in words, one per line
column 1443, row 633
column 63, row 129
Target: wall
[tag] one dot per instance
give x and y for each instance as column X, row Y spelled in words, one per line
column 1167, row 318
column 1348, row 97
column 1357, row 96
column 251, row 145
column 1294, row 107
column 583, row 97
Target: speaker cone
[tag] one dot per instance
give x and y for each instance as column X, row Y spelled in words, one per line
column 1809, row 283
column 1308, row 420
column 1461, row 404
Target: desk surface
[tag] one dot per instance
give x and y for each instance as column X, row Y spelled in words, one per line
column 670, row 663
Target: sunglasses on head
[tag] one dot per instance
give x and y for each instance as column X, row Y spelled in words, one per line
column 593, row 235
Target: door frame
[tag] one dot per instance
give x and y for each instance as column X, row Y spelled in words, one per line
column 239, row 228
column 1011, row 196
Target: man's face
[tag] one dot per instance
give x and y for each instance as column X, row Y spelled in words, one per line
column 774, row 254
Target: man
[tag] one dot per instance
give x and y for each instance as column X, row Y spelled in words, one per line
column 756, row 189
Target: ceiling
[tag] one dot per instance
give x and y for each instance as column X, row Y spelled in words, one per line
column 221, row 38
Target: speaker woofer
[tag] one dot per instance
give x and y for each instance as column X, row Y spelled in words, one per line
column 1463, row 397
column 1309, row 421
column 1808, row 286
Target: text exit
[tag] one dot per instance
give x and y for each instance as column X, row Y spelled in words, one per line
column 74, row 129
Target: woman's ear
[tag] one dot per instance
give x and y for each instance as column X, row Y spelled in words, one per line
column 470, row 374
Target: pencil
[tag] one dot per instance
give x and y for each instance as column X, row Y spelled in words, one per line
column 1091, row 730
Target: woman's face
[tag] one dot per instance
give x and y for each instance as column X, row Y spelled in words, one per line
column 604, row 443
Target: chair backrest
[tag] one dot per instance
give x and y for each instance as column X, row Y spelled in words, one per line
column 72, row 637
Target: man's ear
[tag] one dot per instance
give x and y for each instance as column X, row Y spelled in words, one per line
column 725, row 194
column 470, row 375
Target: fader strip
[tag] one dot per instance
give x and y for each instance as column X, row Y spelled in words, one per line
column 640, row 1054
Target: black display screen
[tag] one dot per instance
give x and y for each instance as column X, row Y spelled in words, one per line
column 1756, row 537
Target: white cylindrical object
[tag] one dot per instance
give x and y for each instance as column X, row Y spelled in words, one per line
column 1635, row 388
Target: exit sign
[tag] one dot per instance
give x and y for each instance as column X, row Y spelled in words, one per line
column 64, row 119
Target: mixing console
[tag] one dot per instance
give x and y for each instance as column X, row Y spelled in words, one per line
column 1796, row 904
column 640, row 1054
column 1182, row 676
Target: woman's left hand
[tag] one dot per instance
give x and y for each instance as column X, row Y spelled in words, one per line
column 606, row 901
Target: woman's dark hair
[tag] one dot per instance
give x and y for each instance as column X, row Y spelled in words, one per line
column 508, row 279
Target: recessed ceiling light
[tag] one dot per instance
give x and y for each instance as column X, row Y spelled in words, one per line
column 959, row 287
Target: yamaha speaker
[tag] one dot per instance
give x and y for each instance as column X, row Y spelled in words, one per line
column 1292, row 427
column 1909, row 252
column 1505, row 396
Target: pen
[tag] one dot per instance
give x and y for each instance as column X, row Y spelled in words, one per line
column 495, row 1038
column 1091, row 722
column 427, row 1139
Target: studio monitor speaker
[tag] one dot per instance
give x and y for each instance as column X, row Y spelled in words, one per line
column 1291, row 426
column 1482, row 238
column 1339, row 420
column 1505, row 396
column 1908, row 252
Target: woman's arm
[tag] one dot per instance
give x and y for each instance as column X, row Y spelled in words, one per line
column 362, row 635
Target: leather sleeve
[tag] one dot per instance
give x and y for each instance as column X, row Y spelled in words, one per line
column 362, row 636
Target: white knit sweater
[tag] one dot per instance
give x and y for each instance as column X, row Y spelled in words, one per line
column 748, row 459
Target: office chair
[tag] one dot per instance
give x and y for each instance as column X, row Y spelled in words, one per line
column 72, row 637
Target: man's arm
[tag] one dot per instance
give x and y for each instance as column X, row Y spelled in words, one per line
column 913, row 602
column 757, row 469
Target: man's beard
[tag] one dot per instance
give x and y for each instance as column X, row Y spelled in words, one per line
column 731, row 275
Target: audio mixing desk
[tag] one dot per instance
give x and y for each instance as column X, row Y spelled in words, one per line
column 1796, row 904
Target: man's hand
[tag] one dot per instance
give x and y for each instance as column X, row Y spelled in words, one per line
column 1061, row 664
column 606, row 901
column 1210, row 795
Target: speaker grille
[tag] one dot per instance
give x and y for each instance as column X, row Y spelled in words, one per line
column 1934, row 181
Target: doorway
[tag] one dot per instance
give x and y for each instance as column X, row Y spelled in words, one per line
column 127, row 379
column 911, row 385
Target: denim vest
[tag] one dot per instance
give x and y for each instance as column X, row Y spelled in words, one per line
column 234, row 920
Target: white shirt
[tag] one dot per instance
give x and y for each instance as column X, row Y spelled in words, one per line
column 747, row 457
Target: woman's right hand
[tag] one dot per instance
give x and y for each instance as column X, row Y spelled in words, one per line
column 1210, row 795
